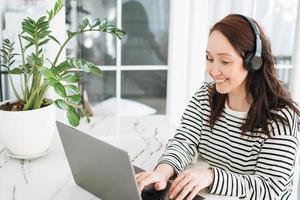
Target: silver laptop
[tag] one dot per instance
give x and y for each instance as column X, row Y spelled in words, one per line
column 102, row 169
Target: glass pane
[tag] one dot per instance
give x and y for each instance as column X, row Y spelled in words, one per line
column 284, row 69
column 279, row 18
column 6, row 92
column 146, row 87
column 218, row 9
column 97, row 88
column 99, row 48
column 147, row 27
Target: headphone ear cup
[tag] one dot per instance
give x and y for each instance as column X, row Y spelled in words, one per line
column 256, row 63
column 248, row 60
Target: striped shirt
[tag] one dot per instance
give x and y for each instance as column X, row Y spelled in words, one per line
column 254, row 166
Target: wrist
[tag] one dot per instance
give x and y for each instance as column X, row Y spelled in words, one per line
column 210, row 178
column 165, row 169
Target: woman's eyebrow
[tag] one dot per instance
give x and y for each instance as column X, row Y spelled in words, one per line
column 224, row 54
column 221, row 54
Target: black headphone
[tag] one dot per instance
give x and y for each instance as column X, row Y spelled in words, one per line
column 253, row 60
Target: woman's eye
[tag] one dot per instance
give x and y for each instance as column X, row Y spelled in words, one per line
column 224, row 62
column 209, row 59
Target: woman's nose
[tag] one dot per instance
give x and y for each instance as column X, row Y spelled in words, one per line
column 215, row 70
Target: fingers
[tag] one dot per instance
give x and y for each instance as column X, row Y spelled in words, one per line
column 143, row 179
column 188, row 184
column 185, row 191
column 147, row 178
column 142, row 176
column 194, row 192
column 181, row 187
column 160, row 185
column 176, row 181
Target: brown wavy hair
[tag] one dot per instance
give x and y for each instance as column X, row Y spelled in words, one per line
column 266, row 90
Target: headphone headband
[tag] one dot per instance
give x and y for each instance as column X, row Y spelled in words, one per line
column 253, row 61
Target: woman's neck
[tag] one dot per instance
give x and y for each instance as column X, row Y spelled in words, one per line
column 239, row 102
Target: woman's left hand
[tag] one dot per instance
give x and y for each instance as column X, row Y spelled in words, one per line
column 190, row 182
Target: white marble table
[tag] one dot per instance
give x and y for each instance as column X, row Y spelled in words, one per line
column 49, row 177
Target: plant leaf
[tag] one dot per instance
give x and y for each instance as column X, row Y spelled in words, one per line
column 103, row 24
column 84, row 24
column 41, row 19
column 2, row 65
column 95, row 70
column 70, row 78
column 61, row 67
column 29, row 39
column 57, row 7
column 60, row 89
column 74, row 98
column 60, row 103
column 16, row 71
column 54, row 39
column 73, row 117
column 51, row 81
column 85, row 65
column 72, row 89
column 29, row 45
column 95, row 23
column 43, row 42
column 47, row 73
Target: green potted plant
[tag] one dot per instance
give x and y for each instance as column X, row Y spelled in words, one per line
column 28, row 123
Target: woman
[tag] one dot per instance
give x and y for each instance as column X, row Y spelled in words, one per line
column 244, row 124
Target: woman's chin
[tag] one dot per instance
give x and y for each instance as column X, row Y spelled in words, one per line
column 222, row 90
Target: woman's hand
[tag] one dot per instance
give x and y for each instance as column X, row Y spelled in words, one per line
column 190, row 182
column 159, row 177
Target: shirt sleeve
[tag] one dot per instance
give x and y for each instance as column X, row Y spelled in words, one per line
column 274, row 171
column 182, row 148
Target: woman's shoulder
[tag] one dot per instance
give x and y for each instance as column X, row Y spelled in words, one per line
column 286, row 122
column 201, row 96
column 204, row 89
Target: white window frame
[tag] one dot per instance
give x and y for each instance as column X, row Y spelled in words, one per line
column 295, row 85
column 187, row 44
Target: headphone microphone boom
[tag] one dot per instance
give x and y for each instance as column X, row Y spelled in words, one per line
column 253, row 60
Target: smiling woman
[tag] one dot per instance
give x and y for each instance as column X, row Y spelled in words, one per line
column 243, row 124
column 224, row 64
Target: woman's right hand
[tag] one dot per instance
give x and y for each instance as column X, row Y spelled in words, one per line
column 159, row 177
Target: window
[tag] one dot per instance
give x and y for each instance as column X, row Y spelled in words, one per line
column 134, row 68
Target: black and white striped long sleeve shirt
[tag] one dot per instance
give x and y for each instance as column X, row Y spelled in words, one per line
column 248, row 167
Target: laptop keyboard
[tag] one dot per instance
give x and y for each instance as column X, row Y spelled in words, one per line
column 146, row 195
column 150, row 196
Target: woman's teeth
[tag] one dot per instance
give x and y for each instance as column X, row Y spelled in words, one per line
column 220, row 81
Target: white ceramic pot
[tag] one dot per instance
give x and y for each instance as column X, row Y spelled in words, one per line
column 27, row 134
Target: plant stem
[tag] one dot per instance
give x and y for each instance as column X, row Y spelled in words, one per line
column 60, row 50
column 14, row 89
column 25, row 90
column 30, row 102
column 67, row 40
column 36, row 76
column 40, row 97
column 74, row 105
column 22, row 86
